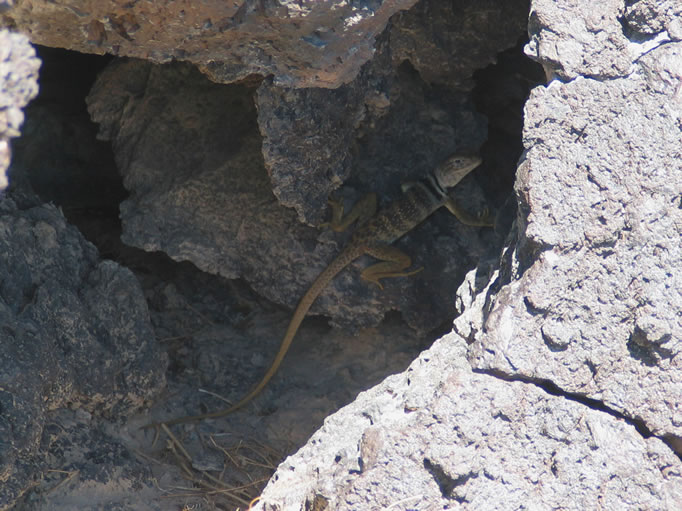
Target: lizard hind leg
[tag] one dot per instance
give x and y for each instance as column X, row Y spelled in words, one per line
column 362, row 210
column 394, row 263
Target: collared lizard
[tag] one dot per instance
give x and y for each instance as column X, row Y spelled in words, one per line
column 373, row 237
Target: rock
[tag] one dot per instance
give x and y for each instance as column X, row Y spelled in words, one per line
column 18, row 85
column 594, row 303
column 579, row 39
column 562, row 378
column 319, row 44
column 201, row 191
column 560, row 386
column 647, row 18
column 75, row 333
column 439, row 434
column 208, row 198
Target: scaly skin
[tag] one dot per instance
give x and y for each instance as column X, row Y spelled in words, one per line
column 418, row 202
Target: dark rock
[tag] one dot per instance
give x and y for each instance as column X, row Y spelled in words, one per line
column 319, row 44
column 75, row 333
column 200, row 191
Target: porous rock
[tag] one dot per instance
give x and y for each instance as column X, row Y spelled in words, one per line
column 560, row 386
column 18, row 85
column 302, row 44
column 201, row 191
column 75, row 333
column 594, row 301
column 439, row 436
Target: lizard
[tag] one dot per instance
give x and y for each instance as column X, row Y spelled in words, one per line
column 374, row 236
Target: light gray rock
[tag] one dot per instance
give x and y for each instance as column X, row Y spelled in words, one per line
column 18, row 85
column 18, row 80
column 440, row 435
column 577, row 38
column 647, row 18
column 594, row 301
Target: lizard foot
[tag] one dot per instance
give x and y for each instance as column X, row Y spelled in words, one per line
column 337, row 215
column 375, row 278
column 485, row 218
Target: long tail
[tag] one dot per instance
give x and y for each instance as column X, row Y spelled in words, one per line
column 346, row 257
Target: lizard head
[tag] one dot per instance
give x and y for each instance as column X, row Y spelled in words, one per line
column 453, row 170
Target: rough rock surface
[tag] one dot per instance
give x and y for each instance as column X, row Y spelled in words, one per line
column 302, row 44
column 79, row 323
column 201, row 193
column 18, row 85
column 600, row 40
column 200, row 190
column 440, row 436
column 571, row 390
column 74, row 330
column 594, row 301
column 559, row 387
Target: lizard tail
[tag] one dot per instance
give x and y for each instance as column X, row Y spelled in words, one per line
column 342, row 260
column 339, row 263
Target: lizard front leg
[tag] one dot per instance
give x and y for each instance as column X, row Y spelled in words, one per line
column 482, row 220
column 361, row 211
column 394, row 262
